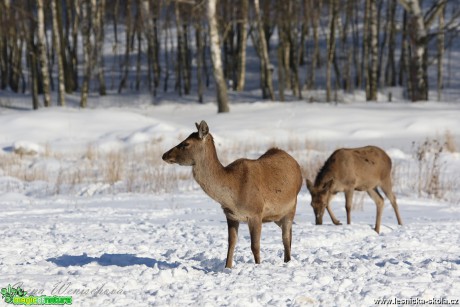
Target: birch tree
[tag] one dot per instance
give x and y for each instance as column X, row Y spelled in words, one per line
column 152, row 43
column 98, row 54
column 41, row 45
column 315, row 7
column 57, row 46
column 183, row 68
column 200, row 50
column 221, row 87
column 129, row 33
column 32, row 56
column 371, row 89
column 418, row 36
column 331, row 46
column 265, row 71
column 86, row 33
column 3, row 45
column 242, row 33
column 73, row 19
column 390, row 69
column 440, row 56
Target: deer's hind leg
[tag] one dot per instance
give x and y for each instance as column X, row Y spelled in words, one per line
column 286, row 232
column 378, row 199
column 255, row 229
column 387, row 189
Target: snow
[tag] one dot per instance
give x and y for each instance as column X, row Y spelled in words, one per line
column 106, row 245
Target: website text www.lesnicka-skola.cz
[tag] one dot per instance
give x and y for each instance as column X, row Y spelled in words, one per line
column 416, row 301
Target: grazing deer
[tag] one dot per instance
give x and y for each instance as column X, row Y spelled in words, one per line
column 350, row 169
column 252, row 191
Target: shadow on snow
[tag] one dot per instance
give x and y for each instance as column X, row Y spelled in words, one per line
column 121, row 260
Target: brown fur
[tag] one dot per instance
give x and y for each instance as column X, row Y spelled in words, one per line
column 252, row 191
column 353, row 169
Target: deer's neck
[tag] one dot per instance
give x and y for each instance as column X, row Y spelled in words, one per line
column 211, row 175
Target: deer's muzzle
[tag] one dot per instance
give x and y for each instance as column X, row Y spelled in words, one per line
column 167, row 157
column 319, row 220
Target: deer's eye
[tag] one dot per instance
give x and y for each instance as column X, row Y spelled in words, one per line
column 183, row 145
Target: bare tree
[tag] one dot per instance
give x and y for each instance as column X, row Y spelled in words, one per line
column 315, row 8
column 333, row 11
column 32, row 56
column 440, row 56
column 183, row 69
column 390, row 69
column 86, row 33
column 152, row 44
column 418, row 36
column 371, row 89
column 200, row 50
column 4, row 7
column 98, row 54
column 14, row 41
column 73, row 19
column 242, row 33
column 265, row 69
column 41, row 45
column 221, row 87
column 129, row 34
column 57, row 46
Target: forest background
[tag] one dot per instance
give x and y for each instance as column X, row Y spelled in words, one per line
column 277, row 50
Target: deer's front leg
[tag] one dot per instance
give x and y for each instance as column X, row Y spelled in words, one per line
column 331, row 214
column 348, row 204
column 232, row 238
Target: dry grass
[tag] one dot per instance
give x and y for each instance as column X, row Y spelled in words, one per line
column 427, row 156
column 142, row 170
column 449, row 142
column 113, row 167
column 427, row 174
column 358, row 201
column 138, row 170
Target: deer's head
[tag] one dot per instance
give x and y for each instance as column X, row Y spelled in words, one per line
column 191, row 149
column 320, row 197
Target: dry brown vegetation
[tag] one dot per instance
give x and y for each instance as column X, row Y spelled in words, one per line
column 428, row 176
column 141, row 169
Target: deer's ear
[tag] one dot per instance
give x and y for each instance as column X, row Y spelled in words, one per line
column 328, row 185
column 203, row 129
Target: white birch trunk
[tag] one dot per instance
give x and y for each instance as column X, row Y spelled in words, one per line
column 41, row 45
column 57, row 47
column 419, row 37
column 221, row 87
column 374, row 52
column 441, row 38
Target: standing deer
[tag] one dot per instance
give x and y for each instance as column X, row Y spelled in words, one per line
column 350, row 169
column 252, row 191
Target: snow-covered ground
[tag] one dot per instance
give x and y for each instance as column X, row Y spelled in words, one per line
column 105, row 244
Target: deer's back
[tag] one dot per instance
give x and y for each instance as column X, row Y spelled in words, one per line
column 274, row 178
column 363, row 167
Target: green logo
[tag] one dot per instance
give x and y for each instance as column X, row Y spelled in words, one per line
column 9, row 293
column 17, row 296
